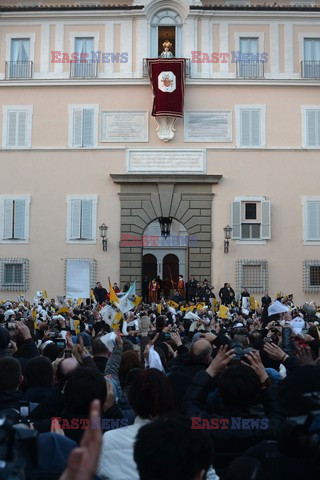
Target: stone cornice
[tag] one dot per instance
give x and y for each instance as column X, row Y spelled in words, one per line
column 164, row 178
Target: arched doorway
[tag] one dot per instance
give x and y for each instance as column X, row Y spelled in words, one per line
column 149, row 266
column 170, row 269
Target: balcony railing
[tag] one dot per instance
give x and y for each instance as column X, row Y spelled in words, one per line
column 250, row 69
column 23, row 69
column 310, row 69
column 87, row 69
column 187, row 72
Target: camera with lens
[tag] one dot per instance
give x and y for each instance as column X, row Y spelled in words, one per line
column 18, row 448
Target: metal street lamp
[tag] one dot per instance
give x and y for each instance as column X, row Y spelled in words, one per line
column 103, row 234
column 165, row 226
column 227, row 235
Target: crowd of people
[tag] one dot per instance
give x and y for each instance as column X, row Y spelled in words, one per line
column 188, row 388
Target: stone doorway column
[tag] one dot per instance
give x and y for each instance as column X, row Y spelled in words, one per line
column 146, row 197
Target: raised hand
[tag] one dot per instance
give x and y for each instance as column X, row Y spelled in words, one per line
column 275, row 352
column 221, row 360
column 256, row 365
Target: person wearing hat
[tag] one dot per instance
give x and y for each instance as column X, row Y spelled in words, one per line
column 277, row 308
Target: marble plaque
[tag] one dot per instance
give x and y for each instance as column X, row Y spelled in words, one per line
column 124, row 126
column 166, row 161
column 208, row 126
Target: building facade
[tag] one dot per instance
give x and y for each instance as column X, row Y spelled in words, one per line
column 80, row 147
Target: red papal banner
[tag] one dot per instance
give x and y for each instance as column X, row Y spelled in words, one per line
column 167, row 76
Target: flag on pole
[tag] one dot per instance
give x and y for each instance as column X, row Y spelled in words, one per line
column 126, row 302
column 137, row 300
column 113, row 295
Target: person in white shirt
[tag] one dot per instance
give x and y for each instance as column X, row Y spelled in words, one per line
column 150, row 396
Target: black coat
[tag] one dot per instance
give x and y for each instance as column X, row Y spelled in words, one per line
column 230, row 442
column 100, row 294
column 226, row 295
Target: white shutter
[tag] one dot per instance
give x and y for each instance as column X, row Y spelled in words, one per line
column 88, row 117
column 12, row 127
column 86, row 220
column 255, row 128
column 236, row 220
column 313, row 128
column 244, row 127
column 77, row 128
column 19, row 219
column 22, row 129
column 75, row 219
column 250, row 127
column 313, row 220
column 265, row 220
column 8, row 217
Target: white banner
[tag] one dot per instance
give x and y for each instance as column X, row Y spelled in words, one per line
column 78, row 279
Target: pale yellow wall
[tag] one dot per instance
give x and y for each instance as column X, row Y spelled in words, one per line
column 50, row 111
column 50, row 176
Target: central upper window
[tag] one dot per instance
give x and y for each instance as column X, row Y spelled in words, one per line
column 166, row 26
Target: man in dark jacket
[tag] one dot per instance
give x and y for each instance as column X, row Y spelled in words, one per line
column 191, row 289
column 234, row 429
column 182, row 369
column 100, row 293
column 226, row 294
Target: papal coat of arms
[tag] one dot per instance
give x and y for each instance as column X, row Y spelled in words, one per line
column 167, row 82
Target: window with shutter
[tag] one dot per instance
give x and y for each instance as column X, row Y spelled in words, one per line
column 16, row 133
column 250, row 128
column 313, row 127
column 18, row 126
column 250, row 125
column 14, row 219
column 83, row 130
column 81, row 221
column 313, row 220
column 251, row 219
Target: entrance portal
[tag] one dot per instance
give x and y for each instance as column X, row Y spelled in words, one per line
column 149, row 266
column 169, row 255
column 187, row 198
